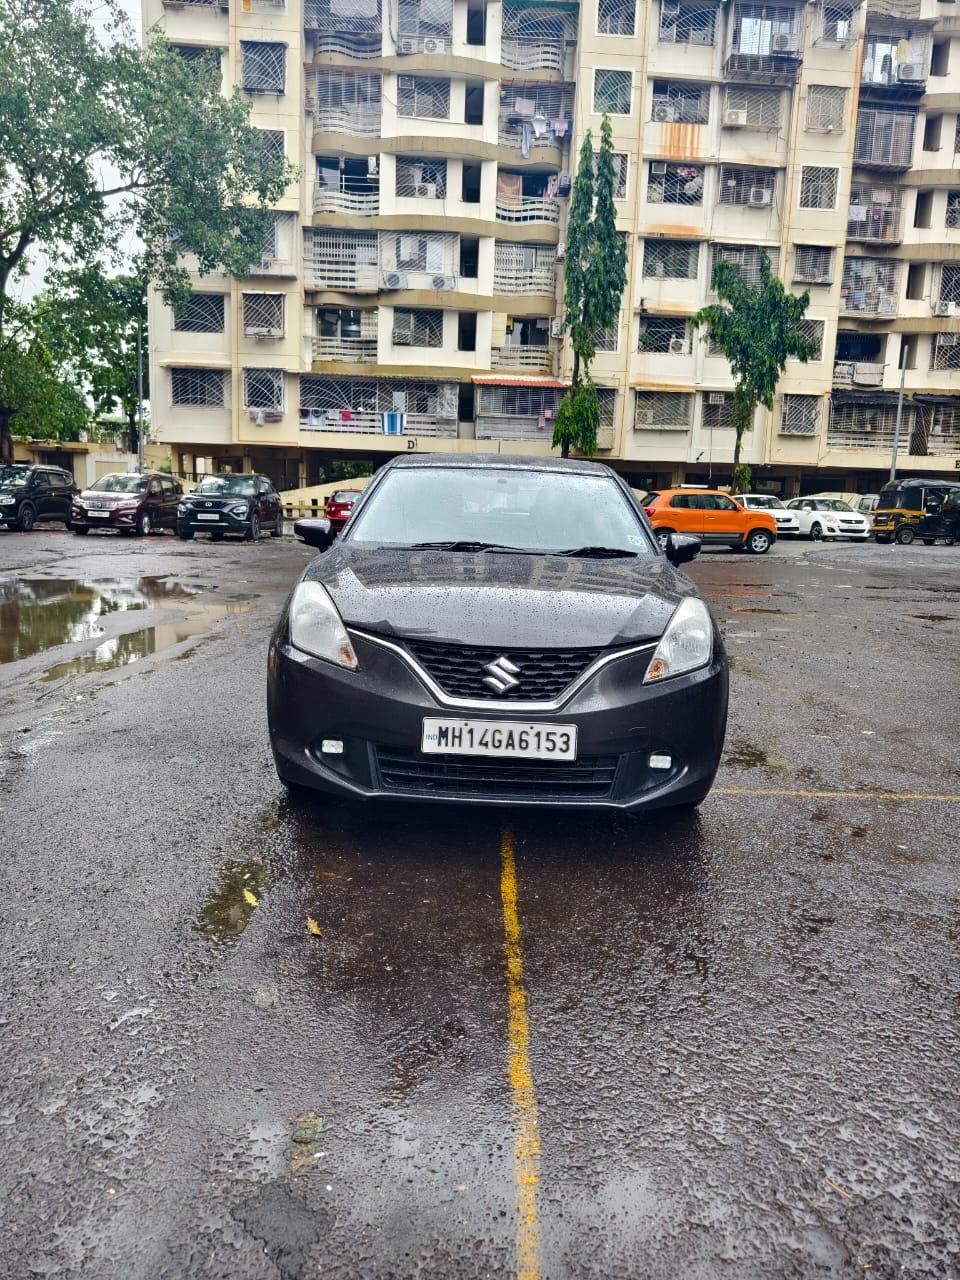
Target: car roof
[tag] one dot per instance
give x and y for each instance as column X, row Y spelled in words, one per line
column 513, row 462
column 693, row 488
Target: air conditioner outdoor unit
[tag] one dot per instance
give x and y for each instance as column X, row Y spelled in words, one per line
column 785, row 42
column 264, row 331
column 659, row 270
column 395, row 280
column 267, row 264
column 868, row 375
column 645, row 416
column 664, row 111
column 425, row 189
column 949, row 340
column 273, row 415
column 715, row 397
column 561, row 251
column 759, row 197
column 734, row 119
column 256, row 417
column 407, row 46
column 402, row 337
column 443, row 282
column 679, row 347
column 909, row 71
column 556, row 328
column 658, row 166
column 887, row 305
column 433, row 45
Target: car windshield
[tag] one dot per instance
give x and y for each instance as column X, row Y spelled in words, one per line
column 763, row 502
column 227, row 486
column 14, row 476
column 117, row 483
column 832, row 504
column 344, row 495
column 472, row 507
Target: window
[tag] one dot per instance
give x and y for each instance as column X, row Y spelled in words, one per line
column 953, row 209
column 946, row 351
column 675, row 100
column 619, row 173
column 671, row 259
column 800, row 415
column 262, row 66
column 748, row 186
column 425, row 178
column 826, row 108
column 612, row 92
column 422, row 98
column 869, row 286
column 813, row 264
column 607, row 339
column 932, row 133
column 818, row 187
column 760, row 30
column 744, row 258
column 273, row 143
column 201, row 313
column 344, row 102
column 664, row 335
column 675, row 183
column 874, row 212
column 263, row 315
column 663, row 411
column 812, row 330
column 418, row 19
column 687, row 22
column 884, row 138
column 201, row 59
column 837, row 22
column 923, row 209
column 940, row 59
column 717, row 410
column 616, row 17
column 748, row 108
column 417, row 328
column 950, row 283
column 916, row 281
column 263, row 389
column 197, row 388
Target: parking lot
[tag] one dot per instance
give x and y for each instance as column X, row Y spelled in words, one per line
column 246, row 1039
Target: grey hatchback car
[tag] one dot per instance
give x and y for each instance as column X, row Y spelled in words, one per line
column 498, row 630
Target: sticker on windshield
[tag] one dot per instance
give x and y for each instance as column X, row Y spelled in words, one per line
column 635, row 540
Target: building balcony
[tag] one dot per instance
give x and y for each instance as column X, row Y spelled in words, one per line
column 875, row 215
column 529, row 209
column 883, row 139
column 333, row 30
column 779, row 67
column 530, row 359
column 358, row 204
column 356, row 122
column 895, row 64
column 537, row 55
column 857, row 373
column 345, row 350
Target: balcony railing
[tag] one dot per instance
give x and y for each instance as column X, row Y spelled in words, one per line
column 348, row 44
column 346, row 350
column 536, row 55
column 539, row 359
column 529, row 209
column 871, row 221
column 865, row 426
column 360, row 204
column 895, row 63
column 857, row 373
column 361, row 121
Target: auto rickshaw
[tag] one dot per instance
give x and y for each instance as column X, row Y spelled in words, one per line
column 924, row 509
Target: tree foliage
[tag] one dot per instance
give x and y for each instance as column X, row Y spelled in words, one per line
column 35, row 400
column 757, row 327
column 595, row 276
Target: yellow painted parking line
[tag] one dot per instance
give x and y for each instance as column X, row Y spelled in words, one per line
column 526, row 1137
column 932, row 796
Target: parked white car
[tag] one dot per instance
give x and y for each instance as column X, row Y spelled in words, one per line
column 787, row 521
column 829, row 518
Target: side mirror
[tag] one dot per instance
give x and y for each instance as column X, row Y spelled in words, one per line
column 315, row 533
column 682, row 547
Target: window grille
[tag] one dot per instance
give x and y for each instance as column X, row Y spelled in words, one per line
column 946, row 351
column 355, row 404
column 760, row 30
column 262, row 66
column 751, row 108
column 425, row 18
column 950, row 283
column 884, row 138
column 663, row 411
column 818, row 187
column 875, row 212
column 664, row 335
column 671, row 259
column 953, row 209
column 612, row 92
column 422, row 98
column 837, row 23
column 524, row 268
column 717, row 410
column 956, row 138
column 813, row 330
column 607, row 401
column 619, row 159
column 941, row 430
column 552, row 101
column 896, row 57
column 675, row 183
column 687, row 22
column 744, row 258
column 273, row 143
column 333, row 16
column 616, row 17
column 335, row 259
column 516, row 413
column 869, row 286
column 419, row 260
column 199, row 58
column 538, row 38
column 198, row 388
column 826, row 108
column 675, row 100
column 867, row 426
column 745, row 185
column 263, row 389
column 263, row 315
column 344, row 102
column 417, row 328
column 607, row 339
column 813, row 264
column 800, row 415
column 201, row 313
column 426, row 178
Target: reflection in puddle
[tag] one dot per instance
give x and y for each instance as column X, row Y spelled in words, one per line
column 227, row 911
column 41, row 613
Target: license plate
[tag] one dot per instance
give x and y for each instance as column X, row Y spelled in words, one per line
column 98, row 515
column 205, row 516
column 508, row 739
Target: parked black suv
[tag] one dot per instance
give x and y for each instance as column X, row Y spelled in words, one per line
column 230, row 503
column 29, row 494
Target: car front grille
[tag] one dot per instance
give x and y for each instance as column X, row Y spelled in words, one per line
column 408, row 771
column 543, row 673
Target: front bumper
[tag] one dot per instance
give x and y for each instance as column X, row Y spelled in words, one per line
column 225, row 522
column 377, row 713
column 112, row 520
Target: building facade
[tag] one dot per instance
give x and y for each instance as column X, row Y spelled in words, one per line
column 409, row 294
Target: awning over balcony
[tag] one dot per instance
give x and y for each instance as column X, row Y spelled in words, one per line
column 501, row 380
column 881, row 398
column 925, row 397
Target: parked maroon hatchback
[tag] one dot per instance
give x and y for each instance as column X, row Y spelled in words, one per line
column 133, row 502
column 338, row 507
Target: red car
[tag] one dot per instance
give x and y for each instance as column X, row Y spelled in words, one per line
column 338, row 507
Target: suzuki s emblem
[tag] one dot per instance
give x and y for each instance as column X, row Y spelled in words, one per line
column 501, row 675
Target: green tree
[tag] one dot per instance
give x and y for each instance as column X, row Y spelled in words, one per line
column 595, row 276
column 187, row 173
column 757, row 327
column 39, row 403
column 91, row 321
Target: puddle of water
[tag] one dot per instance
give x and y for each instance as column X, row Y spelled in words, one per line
column 42, row 613
column 226, row 913
column 745, row 756
column 933, row 617
column 742, row 609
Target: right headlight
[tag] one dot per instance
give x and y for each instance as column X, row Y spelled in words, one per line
column 317, row 628
column 686, row 644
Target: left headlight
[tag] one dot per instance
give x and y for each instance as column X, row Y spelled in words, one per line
column 686, row 644
column 241, row 509
column 317, row 628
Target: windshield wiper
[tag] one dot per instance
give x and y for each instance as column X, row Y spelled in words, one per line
column 464, row 545
column 597, row 553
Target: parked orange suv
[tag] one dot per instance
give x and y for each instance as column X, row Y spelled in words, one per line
column 715, row 517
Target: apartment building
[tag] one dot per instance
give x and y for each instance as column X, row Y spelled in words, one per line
column 409, row 294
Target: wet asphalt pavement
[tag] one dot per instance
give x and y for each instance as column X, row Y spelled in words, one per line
column 244, row 1040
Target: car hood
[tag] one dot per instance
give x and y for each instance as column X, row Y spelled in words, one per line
column 95, row 495
column 508, row 601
